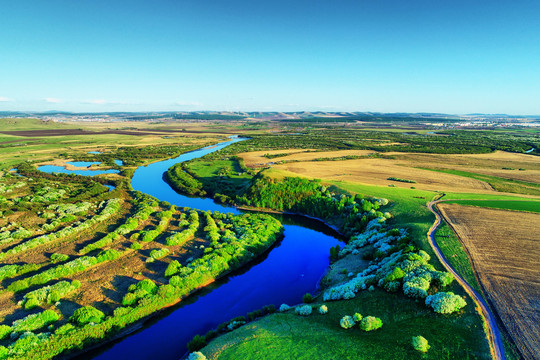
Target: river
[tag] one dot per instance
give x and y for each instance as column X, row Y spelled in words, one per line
column 293, row 267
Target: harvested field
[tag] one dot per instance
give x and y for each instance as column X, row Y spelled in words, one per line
column 377, row 171
column 256, row 158
column 506, row 260
column 71, row 132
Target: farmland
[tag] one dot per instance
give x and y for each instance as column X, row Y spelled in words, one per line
column 505, row 260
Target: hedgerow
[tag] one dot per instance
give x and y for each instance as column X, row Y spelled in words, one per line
column 49, row 294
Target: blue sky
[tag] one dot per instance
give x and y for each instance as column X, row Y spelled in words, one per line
column 380, row 55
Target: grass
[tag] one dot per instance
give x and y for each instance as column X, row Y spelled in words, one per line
column 456, row 255
column 517, row 205
column 209, row 173
column 498, row 183
column 286, row 335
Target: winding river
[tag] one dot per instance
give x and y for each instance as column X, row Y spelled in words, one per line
column 291, row 268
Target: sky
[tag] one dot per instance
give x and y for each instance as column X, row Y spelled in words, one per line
column 479, row 56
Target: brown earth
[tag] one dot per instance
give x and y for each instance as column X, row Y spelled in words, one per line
column 506, row 260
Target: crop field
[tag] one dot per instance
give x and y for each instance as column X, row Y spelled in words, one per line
column 517, row 205
column 506, row 261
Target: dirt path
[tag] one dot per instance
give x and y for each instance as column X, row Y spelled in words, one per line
column 494, row 336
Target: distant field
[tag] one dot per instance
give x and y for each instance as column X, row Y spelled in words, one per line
column 506, row 261
column 531, row 206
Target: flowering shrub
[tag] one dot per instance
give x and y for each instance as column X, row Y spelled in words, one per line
column 35, row 321
column 196, row 356
column 445, row 302
column 347, row 322
column 303, row 310
column 420, row 343
column 49, row 294
column 370, row 323
column 323, row 309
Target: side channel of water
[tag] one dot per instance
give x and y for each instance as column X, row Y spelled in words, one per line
column 291, row 268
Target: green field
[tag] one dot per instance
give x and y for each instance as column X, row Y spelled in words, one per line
column 517, row 205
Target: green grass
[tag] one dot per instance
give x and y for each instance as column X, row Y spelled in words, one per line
column 455, row 254
column 498, row 183
column 517, row 205
column 290, row 336
column 208, row 173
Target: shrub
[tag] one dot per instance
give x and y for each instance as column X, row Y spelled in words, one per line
column 420, row 343
column 135, row 246
column 35, row 321
column 59, row 257
column 346, row 322
column 307, row 298
column 32, row 303
column 323, row 309
column 303, row 310
column 4, row 331
column 87, row 314
column 197, row 343
column 445, row 302
column 196, row 356
column 370, row 323
column 284, row 307
column 357, row 317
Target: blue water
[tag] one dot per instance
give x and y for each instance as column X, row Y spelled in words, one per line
column 60, row 169
column 94, row 152
column 111, row 188
column 293, row 267
column 119, row 162
column 82, row 163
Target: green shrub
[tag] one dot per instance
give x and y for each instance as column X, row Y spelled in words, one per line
column 370, row 323
column 35, row 321
column 86, row 315
column 323, row 309
column 197, row 343
column 420, row 343
column 357, row 317
column 136, row 246
column 307, row 298
column 4, row 331
column 58, row 257
column 346, row 322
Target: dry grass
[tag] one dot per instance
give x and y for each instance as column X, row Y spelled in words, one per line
column 506, row 260
column 256, row 158
column 377, row 171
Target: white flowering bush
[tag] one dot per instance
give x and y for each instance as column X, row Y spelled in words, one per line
column 445, row 302
column 284, row 307
column 304, row 310
column 197, row 355
column 323, row 309
column 347, row 322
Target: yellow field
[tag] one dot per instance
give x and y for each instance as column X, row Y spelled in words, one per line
column 256, row 158
column 504, row 248
column 376, row 171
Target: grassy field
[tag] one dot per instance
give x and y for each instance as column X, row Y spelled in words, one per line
column 505, row 260
column 517, row 205
column 290, row 336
